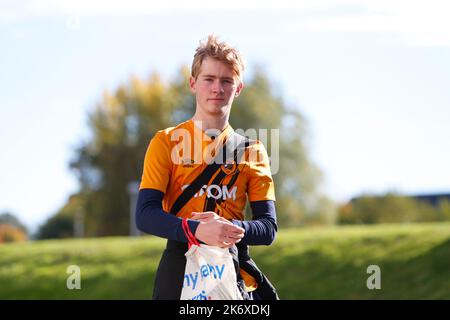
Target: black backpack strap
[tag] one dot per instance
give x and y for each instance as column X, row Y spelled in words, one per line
column 231, row 146
column 265, row 289
column 192, row 189
column 211, row 202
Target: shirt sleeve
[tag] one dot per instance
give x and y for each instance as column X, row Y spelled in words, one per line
column 157, row 164
column 263, row 227
column 260, row 184
column 151, row 219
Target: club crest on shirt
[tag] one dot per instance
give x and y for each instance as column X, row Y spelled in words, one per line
column 229, row 168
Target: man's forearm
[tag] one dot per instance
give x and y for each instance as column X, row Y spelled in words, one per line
column 152, row 219
column 262, row 229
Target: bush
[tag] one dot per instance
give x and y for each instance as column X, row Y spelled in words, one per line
column 10, row 233
column 390, row 208
column 58, row 226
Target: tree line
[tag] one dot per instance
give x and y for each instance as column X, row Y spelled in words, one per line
column 122, row 123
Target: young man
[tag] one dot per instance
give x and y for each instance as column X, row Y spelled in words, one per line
column 177, row 156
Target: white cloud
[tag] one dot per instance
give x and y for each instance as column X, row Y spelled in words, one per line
column 417, row 22
column 420, row 23
column 139, row 7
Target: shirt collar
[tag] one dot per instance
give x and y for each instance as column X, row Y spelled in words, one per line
column 206, row 134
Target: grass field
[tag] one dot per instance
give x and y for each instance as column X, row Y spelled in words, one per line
column 319, row 263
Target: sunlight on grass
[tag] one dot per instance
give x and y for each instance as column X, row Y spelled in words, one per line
column 310, row 263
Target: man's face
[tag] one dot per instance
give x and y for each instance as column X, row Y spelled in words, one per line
column 215, row 87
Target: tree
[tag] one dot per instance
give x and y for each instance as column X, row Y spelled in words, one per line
column 61, row 225
column 9, row 218
column 56, row 227
column 388, row 208
column 123, row 123
column 443, row 211
column 11, row 228
column 297, row 179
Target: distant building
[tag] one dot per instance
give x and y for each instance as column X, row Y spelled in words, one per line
column 432, row 198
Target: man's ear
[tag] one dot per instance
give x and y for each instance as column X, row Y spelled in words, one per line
column 239, row 89
column 192, row 84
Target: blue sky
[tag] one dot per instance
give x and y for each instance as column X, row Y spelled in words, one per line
column 371, row 77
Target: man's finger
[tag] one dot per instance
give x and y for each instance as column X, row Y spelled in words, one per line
column 203, row 214
column 198, row 213
column 234, row 229
column 226, row 245
column 235, row 237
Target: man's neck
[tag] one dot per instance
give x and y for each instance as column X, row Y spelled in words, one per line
column 213, row 122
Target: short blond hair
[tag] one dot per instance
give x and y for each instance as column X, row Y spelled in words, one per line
column 220, row 51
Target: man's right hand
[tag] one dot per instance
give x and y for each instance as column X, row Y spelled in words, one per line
column 217, row 231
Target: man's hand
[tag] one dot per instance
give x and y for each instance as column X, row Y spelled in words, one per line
column 207, row 216
column 217, row 231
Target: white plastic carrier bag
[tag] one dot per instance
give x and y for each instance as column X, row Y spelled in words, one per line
column 209, row 272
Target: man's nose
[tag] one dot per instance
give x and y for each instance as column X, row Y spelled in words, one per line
column 217, row 87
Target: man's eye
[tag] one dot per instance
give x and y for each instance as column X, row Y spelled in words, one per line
column 208, row 79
